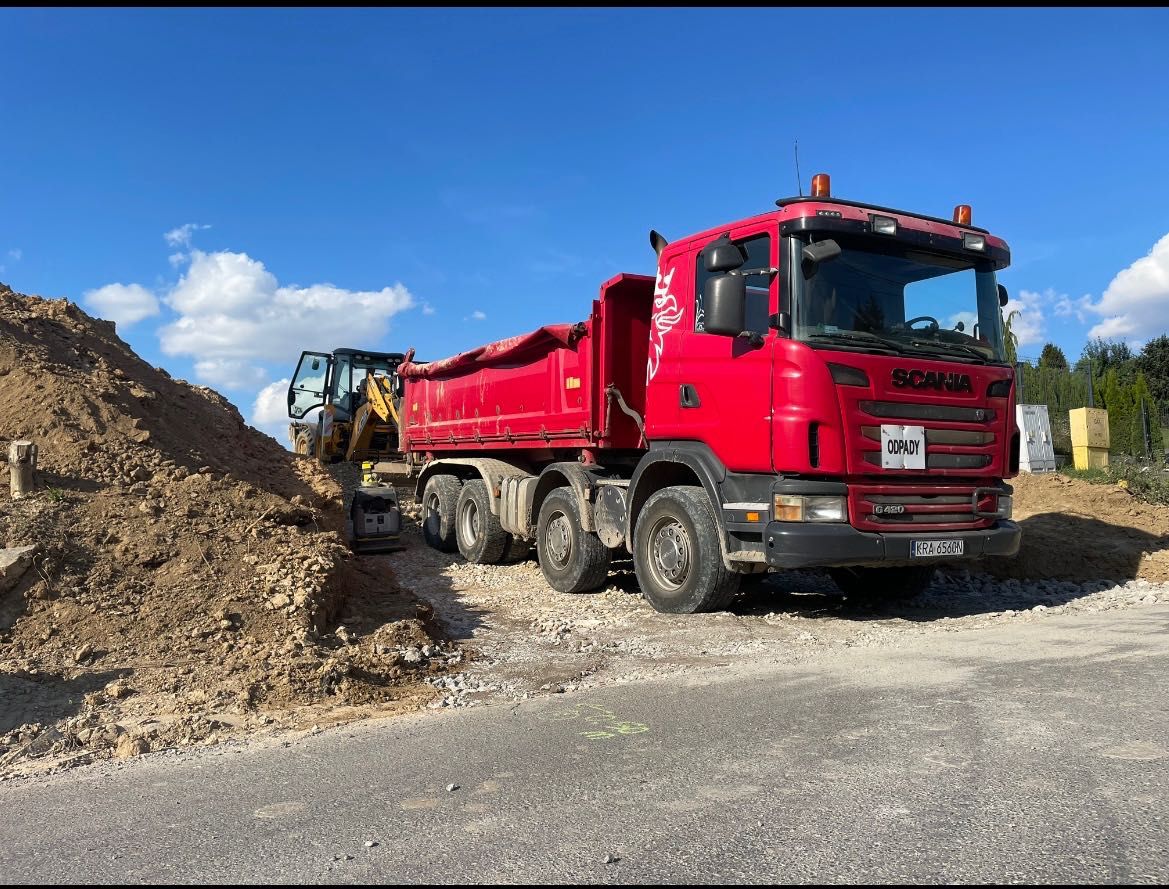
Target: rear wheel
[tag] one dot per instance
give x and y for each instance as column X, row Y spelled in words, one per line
column 481, row 539
column 883, row 584
column 439, row 499
column 677, row 554
column 571, row 559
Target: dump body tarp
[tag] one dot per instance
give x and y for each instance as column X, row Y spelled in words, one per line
column 502, row 350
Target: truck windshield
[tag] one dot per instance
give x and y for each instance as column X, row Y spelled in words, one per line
column 886, row 297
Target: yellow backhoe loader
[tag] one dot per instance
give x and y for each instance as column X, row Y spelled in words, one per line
column 355, row 395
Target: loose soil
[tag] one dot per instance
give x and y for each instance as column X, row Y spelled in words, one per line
column 190, row 582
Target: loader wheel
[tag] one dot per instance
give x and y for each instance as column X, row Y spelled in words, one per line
column 571, row 559
column 439, row 499
column 677, row 554
column 304, row 443
column 883, row 584
column 481, row 538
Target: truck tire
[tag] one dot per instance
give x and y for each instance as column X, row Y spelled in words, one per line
column 677, row 554
column 883, row 584
column 440, row 497
column 571, row 559
column 481, row 539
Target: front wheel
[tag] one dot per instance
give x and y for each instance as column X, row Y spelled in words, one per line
column 677, row 554
column 883, row 584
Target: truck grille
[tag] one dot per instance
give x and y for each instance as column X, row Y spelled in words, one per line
column 956, row 438
column 922, row 508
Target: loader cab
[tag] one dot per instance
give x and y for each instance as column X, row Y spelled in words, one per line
column 334, row 380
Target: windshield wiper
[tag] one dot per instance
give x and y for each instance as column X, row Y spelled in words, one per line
column 870, row 340
column 939, row 348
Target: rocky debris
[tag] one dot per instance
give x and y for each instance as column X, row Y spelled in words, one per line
column 189, row 571
column 14, row 562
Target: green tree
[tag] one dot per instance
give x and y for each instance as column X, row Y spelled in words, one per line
column 1143, row 399
column 1153, row 362
column 1117, row 400
column 1053, row 357
column 1104, row 355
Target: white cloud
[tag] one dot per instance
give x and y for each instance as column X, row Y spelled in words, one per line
column 16, row 253
column 230, row 374
column 177, row 259
column 1028, row 324
column 181, row 236
column 476, row 315
column 270, row 410
column 427, row 309
column 123, row 304
column 1136, row 303
column 271, row 405
column 232, row 309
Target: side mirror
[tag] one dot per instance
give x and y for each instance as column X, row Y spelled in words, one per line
column 814, row 254
column 316, row 364
column 1003, row 298
column 724, row 305
column 723, row 256
column 291, row 397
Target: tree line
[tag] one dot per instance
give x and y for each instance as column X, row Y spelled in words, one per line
column 1133, row 387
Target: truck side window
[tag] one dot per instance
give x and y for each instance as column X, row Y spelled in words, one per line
column 758, row 250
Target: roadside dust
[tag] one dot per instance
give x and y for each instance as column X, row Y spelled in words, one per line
column 190, row 582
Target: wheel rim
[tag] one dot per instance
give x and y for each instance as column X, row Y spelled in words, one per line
column 469, row 522
column 671, row 553
column 558, row 537
column 430, row 506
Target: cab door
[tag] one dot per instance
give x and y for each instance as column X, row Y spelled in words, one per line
column 309, row 383
column 720, row 386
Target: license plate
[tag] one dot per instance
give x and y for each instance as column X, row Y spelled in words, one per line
column 902, row 447
column 920, row 549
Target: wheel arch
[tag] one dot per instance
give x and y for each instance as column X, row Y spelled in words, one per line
column 491, row 470
column 581, row 479
column 676, row 463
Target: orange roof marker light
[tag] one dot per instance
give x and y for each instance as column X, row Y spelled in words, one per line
column 821, row 186
column 962, row 214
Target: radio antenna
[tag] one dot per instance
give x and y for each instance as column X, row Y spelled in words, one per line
column 799, row 180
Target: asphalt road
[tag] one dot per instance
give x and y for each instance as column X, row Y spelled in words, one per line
column 1036, row 752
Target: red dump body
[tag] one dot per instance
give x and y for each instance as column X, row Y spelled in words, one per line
column 541, row 390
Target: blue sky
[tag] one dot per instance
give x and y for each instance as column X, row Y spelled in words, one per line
column 439, row 179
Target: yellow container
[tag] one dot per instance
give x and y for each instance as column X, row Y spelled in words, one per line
column 1089, row 427
column 1090, row 458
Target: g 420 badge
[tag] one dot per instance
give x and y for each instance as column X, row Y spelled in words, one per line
column 929, row 379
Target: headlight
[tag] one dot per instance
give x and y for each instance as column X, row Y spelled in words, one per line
column 798, row 508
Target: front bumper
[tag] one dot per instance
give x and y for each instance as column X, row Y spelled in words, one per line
column 798, row 545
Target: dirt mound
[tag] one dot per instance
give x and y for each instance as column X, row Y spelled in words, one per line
column 189, row 574
column 1076, row 530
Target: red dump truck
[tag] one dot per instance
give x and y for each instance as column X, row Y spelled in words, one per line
column 823, row 385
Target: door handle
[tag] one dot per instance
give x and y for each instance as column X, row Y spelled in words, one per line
column 688, row 396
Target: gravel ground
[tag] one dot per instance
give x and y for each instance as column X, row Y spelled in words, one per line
column 525, row 639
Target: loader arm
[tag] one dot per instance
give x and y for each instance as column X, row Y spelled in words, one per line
column 377, row 411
